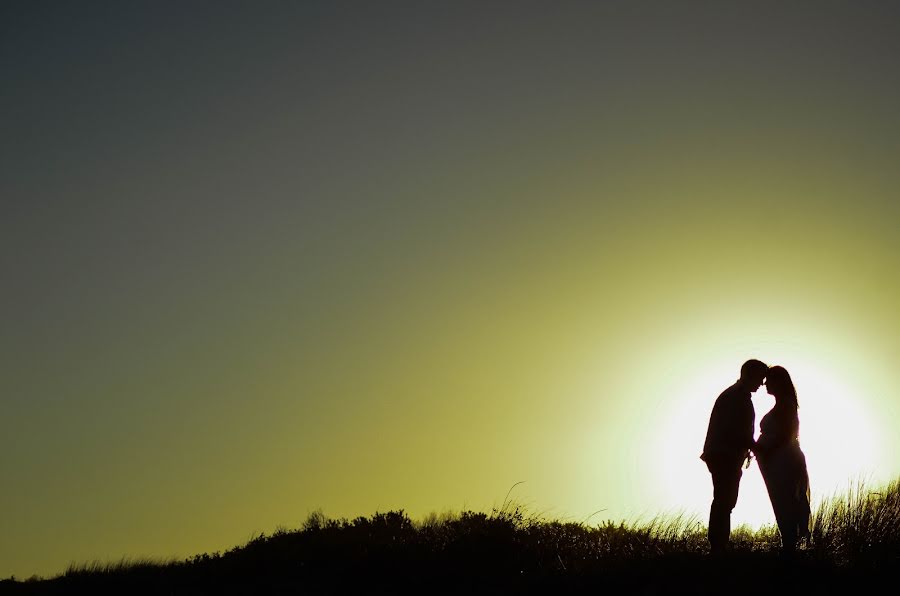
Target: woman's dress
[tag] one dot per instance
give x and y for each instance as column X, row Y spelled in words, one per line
column 783, row 468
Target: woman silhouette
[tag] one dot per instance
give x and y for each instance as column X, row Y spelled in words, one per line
column 781, row 461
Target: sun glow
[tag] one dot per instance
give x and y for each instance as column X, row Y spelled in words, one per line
column 841, row 442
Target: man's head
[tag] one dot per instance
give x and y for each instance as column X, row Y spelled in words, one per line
column 753, row 372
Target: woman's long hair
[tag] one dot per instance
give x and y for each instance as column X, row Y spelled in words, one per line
column 784, row 385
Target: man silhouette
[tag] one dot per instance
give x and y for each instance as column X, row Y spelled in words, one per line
column 729, row 439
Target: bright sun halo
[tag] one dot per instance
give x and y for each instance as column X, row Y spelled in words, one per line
column 840, row 441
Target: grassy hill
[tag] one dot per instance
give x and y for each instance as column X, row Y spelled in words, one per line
column 855, row 545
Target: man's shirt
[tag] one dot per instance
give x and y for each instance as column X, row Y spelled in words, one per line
column 730, row 431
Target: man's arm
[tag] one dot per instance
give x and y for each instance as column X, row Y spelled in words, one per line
column 750, row 428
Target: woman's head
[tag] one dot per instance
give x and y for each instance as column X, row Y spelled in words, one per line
column 779, row 384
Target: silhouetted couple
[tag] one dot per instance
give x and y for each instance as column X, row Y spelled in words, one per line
column 729, row 443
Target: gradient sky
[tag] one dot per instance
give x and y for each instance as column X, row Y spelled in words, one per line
column 263, row 258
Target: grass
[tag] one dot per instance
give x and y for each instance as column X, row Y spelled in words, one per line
column 855, row 543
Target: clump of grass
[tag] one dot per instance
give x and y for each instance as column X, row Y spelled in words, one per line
column 125, row 564
column 861, row 524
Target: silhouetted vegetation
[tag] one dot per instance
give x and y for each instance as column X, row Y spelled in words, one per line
column 855, row 543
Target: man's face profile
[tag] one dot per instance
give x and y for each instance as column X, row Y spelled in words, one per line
column 757, row 382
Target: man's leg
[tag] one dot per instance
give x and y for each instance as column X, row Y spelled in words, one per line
column 788, row 538
column 726, row 481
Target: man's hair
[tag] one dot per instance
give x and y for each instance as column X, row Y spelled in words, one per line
column 754, row 367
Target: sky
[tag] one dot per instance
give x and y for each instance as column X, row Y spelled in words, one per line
column 260, row 259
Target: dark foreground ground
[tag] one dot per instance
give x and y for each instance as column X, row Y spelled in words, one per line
column 505, row 553
column 744, row 573
column 855, row 546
